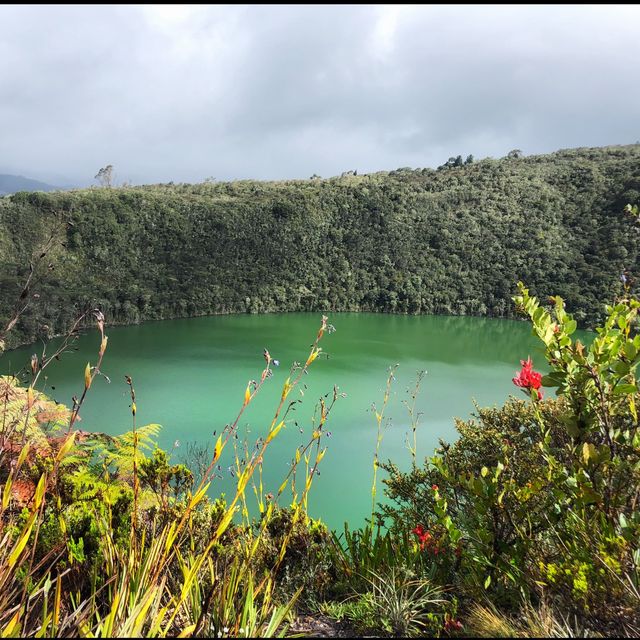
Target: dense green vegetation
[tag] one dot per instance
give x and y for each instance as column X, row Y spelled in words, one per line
column 526, row 526
column 446, row 241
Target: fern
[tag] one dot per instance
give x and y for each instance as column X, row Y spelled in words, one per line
column 30, row 422
column 130, row 447
column 85, row 484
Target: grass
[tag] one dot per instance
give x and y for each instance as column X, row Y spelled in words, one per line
column 166, row 578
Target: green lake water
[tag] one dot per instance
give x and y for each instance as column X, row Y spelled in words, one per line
column 190, row 376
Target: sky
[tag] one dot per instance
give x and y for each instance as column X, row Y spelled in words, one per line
column 186, row 93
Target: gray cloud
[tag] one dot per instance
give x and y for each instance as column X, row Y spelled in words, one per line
column 168, row 93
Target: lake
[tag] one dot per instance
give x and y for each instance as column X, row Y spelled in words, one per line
column 190, row 376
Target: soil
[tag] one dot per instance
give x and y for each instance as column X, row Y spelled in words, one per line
column 319, row 626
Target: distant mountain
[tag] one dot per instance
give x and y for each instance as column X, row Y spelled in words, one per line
column 11, row 184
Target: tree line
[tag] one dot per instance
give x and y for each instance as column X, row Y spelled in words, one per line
column 417, row 241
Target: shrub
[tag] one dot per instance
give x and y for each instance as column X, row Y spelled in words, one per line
column 538, row 498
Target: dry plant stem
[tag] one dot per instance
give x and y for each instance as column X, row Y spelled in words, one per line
column 44, row 361
column 54, row 475
column 252, row 464
column 229, row 431
column 316, row 437
column 134, row 517
column 302, row 503
column 37, row 367
column 297, row 504
column 23, row 300
column 379, row 416
column 258, row 457
column 24, row 599
column 301, row 453
column 89, row 376
column 413, row 416
column 5, row 402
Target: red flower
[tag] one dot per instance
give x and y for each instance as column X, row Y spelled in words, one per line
column 426, row 540
column 434, row 487
column 450, row 624
column 529, row 379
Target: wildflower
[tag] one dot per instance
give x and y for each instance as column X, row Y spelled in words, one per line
column 529, row 379
column 434, row 487
column 450, row 624
column 424, row 537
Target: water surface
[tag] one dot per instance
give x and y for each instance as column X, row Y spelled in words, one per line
column 190, row 376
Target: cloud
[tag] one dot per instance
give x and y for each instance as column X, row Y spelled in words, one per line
column 182, row 93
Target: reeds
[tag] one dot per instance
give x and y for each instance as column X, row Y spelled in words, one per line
column 168, row 578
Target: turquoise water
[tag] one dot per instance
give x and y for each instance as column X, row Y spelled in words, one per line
column 190, row 376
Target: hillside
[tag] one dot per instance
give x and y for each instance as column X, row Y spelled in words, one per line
column 449, row 241
column 12, row 184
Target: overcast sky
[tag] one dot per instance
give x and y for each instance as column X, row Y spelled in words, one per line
column 272, row 92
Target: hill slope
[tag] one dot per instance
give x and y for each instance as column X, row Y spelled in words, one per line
column 448, row 241
column 12, row 184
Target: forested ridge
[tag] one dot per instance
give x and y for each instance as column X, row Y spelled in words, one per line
column 448, row 241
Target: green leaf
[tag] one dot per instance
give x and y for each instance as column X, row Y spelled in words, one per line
column 621, row 368
column 554, row 379
column 623, row 389
column 548, row 335
column 487, row 582
column 537, row 316
column 572, row 482
column 588, row 452
column 589, row 496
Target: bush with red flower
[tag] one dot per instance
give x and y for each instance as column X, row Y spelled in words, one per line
column 427, row 541
column 541, row 494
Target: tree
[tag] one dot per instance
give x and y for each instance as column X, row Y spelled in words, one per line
column 514, row 154
column 105, row 176
column 455, row 162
